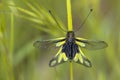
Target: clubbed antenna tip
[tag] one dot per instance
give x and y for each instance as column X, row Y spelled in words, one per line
column 55, row 20
column 91, row 10
column 49, row 11
column 85, row 19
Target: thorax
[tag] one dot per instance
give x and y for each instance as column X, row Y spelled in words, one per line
column 70, row 37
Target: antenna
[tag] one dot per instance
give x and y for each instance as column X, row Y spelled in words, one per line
column 85, row 19
column 56, row 21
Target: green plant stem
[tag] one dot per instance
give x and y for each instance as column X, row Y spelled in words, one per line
column 71, row 71
column 69, row 15
column 70, row 28
column 11, row 36
column 11, row 47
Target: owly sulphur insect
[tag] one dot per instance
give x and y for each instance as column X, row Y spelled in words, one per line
column 70, row 48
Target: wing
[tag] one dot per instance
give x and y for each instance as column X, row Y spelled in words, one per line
column 59, row 58
column 45, row 43
column 89, row 44
column 80, row 58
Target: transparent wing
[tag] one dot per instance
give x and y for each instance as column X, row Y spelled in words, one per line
column 80, row 58
column 46, row 43
column 59, row 58
column 89, row 44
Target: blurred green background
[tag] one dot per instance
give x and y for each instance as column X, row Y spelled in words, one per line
column 24, row 21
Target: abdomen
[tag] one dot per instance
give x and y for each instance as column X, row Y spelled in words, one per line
column 70, row 49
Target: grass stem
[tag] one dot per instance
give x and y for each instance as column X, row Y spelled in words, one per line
column 12, row 34
column 69, row 15
column 71, row 71
column 11, row 47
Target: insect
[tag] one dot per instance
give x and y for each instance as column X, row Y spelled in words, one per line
column 70, row 49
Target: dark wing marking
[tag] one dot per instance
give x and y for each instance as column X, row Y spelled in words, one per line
column 89, row 44
column 80, row 58
column 59, row 58
column 45, row 43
